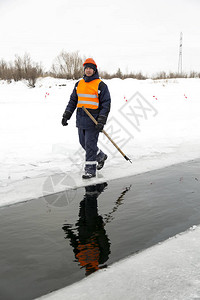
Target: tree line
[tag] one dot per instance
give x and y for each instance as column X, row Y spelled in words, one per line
column 68, row 65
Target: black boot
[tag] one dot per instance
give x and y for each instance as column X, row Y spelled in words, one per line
column 88, row 175
column 101, row 163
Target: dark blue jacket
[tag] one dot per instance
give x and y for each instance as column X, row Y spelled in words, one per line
column 82, row 119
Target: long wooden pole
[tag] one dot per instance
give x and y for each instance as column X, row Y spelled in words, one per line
column 95, row 121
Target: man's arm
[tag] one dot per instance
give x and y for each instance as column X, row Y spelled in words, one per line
column 71, row 106
column 104, row 105
column 104, row 99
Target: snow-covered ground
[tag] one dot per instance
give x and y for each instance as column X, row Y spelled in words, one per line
column 156, row 124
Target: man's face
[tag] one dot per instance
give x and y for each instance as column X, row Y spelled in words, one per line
column 89, row 71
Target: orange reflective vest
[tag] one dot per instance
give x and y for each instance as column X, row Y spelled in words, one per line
column 88, row 255
column 88, row 93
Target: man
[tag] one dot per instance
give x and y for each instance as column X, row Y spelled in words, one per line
column 91, row 244
column 93, row 94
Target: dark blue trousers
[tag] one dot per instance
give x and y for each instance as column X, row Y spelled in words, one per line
column 88, row 139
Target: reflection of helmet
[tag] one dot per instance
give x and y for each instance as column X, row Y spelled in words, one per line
column 90, row 61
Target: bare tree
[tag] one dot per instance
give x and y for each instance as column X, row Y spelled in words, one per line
column 25, row 68
column 68, row 65
column 3, row 69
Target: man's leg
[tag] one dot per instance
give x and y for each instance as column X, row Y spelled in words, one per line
column 101, row 157
column 81, row 134
column 91, row 139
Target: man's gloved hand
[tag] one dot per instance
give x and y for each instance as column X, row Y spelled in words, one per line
column 101, row 121
column 99, row 126
column 66, row 116
column 64, row 121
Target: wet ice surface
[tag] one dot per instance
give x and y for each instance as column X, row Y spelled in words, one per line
column 51, row 242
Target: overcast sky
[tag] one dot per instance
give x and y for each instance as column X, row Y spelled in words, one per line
column 134, row 35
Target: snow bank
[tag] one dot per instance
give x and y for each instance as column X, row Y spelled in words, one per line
column 156, row 124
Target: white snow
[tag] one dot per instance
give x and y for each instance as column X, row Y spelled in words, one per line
column 34, row 144
column 156, row 124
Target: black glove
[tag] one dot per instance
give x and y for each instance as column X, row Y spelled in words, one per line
column 101, row 121
column 99, row 126
column 64, row 121
column 66, row 116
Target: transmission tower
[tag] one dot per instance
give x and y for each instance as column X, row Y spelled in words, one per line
column 180, row 54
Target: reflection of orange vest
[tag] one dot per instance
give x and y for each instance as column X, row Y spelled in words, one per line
column 88, row 93
column 89, row 255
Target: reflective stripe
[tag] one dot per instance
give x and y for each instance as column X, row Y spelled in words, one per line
column 91, row 162
column 88, row 102
column 87, row 96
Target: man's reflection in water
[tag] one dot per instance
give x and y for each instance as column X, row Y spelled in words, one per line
column 91, row 245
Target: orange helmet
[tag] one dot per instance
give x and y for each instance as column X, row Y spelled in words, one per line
column 90, row 61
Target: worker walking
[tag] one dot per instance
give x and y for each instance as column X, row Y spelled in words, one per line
column 92, row 93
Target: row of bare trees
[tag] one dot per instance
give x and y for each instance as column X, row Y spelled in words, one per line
column 68, row 65
column 21, row 68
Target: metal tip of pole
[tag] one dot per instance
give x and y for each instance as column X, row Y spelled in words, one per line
column 128, row 159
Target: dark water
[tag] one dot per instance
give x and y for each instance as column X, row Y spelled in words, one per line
column 51, row 242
